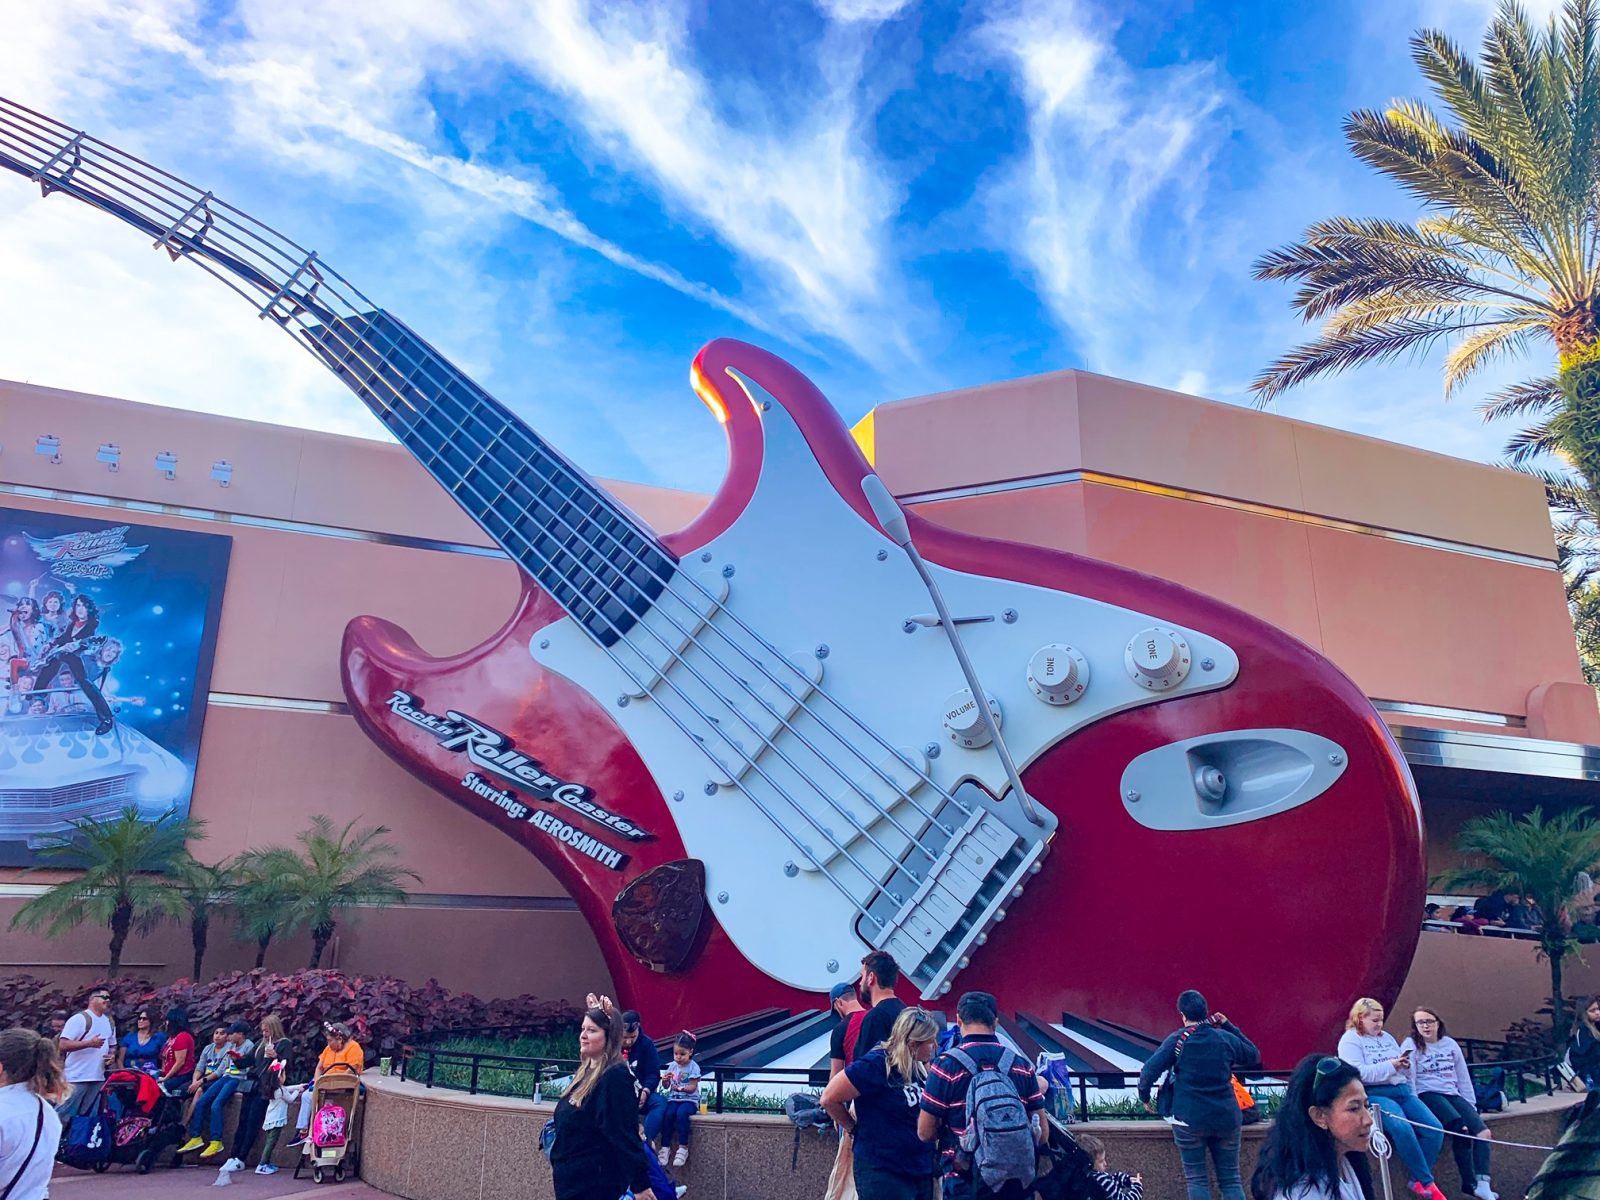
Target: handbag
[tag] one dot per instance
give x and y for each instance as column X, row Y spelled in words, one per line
column 547, row 1139
column 38, row 1133
column 1164, row 1093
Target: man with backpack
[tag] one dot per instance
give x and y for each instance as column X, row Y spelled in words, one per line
column 85, row 1041
column 982, row 1102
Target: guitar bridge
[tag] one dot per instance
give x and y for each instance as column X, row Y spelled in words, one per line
column 979, row 868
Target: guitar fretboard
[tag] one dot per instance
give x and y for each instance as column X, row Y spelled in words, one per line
column 600, row 563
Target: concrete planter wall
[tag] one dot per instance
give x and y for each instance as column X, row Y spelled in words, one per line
column 432, row 1144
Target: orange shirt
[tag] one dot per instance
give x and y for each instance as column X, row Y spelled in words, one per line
column 351, row 1056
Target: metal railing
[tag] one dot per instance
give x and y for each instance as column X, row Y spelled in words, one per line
column 476, row 1072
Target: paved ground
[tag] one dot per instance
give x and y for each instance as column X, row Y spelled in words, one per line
column 196, row 1182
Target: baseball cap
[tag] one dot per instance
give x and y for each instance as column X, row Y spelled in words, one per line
column 840, row 990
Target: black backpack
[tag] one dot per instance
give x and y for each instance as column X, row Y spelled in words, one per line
column 803, row 1110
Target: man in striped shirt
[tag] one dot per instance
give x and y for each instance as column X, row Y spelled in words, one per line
column 944, row 1097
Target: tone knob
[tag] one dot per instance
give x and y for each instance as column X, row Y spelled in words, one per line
column 964, row 723
column 1158, row 658
column 1057, row 673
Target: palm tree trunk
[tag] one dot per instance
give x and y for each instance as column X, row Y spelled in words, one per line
column 198, row 932
column 262, row 943
column 320, row 936
column 1557, row 1004
column 121, row 923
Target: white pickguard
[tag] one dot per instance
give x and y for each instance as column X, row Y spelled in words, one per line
column 804, row 571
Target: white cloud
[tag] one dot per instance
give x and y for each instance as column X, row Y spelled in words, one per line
column 804, row 203
column 91, row 308
column 1102, row 207
column 862, row 10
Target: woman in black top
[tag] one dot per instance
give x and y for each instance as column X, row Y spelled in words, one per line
column 598, row 1153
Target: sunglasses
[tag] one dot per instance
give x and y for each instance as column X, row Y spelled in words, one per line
column 1326, row 1067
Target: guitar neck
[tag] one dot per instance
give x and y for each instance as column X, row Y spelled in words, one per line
column 597, row 559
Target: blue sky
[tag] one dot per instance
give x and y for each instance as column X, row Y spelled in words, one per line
column 570, row 198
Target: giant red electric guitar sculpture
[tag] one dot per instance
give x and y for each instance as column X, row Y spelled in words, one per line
column 752, row 749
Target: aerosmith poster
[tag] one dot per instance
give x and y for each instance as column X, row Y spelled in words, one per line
column 105, row 663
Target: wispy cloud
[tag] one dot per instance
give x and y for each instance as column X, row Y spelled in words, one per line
column 1102, row 206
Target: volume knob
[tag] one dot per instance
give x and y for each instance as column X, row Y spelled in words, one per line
column 1158, row 659
column 964, row 723
column 1057, row 673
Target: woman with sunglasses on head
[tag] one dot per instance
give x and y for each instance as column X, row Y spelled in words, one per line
column 140, row 1048
column 1440, row 1077
column 891, row 1161
column 1316, row 1148
column 1386, row 1071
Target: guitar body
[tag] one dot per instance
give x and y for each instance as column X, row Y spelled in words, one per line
column 1282, row 914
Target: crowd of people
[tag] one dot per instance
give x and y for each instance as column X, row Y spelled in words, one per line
column 914, row 1103
column 49, row 1079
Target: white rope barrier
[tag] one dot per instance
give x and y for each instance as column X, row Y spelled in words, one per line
column 1449, row 1132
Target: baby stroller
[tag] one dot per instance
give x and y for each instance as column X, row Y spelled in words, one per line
column 143, row 1118
column 335, row 1132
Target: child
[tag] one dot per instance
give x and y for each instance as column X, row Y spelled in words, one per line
column 281, row 1094
column 681, row 1078
column 1113, row 1185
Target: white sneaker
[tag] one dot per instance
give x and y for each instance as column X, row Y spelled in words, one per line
column 233, row 1164
column 661, row 1155
column 266, row 1169
column 681, row 1157
column 1483, row 1190
column 682, row 1188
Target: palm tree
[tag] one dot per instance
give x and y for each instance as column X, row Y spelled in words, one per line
column 127, row 862
column 1544, row 859
column 1506, row 255
column 257, row 906
column 329, row 874
column 203, row 888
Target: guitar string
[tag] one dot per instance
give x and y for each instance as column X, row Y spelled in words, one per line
column 610, row 589
column 867, row 876
column 233, row 231
column 890, row 858
column 539, row 499
column 679, row 658
column 176, row 233
column 203, row 202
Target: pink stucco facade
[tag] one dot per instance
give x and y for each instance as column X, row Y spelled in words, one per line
column 1431, row 581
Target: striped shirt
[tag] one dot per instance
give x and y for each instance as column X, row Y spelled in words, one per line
column 945, row 1093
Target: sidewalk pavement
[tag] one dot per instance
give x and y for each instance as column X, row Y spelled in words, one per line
column 195, row 1183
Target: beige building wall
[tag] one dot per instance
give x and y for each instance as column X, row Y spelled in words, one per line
column 1430, row 580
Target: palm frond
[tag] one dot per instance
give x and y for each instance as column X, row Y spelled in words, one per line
column 1477, row 350
column 1525, row 446
column 1532, row 397
column 1329, row 355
